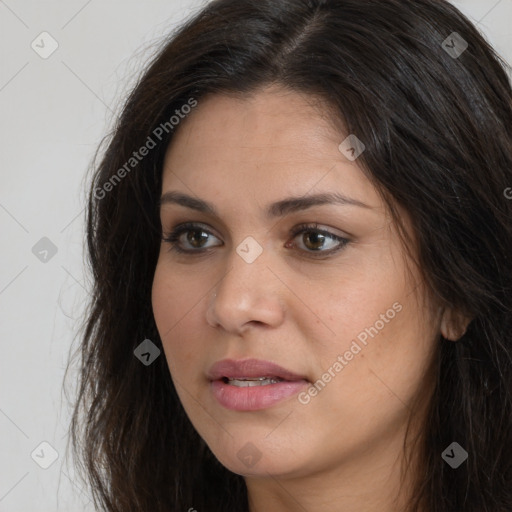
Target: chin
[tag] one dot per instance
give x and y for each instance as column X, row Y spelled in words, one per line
column 252, row 456
column 262, row 468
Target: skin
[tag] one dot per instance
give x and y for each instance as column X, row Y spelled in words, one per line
column 342, row 450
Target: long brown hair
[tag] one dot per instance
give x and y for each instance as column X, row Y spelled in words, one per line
column 437, row 130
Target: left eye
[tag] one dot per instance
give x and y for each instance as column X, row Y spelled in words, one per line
column 313, row 239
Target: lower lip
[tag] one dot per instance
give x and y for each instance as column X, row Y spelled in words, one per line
column 254, row 398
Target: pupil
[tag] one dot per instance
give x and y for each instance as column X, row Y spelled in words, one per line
column 192, row 238
column 317, row 242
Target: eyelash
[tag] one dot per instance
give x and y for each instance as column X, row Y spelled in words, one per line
column 173, row 239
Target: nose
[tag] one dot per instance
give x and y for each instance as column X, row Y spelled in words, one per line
column 249, row 294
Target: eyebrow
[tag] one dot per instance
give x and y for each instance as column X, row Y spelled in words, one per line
column 277, row 209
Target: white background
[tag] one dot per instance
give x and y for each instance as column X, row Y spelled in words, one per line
column 53, row 114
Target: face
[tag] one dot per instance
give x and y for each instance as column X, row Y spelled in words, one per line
column 324, row 290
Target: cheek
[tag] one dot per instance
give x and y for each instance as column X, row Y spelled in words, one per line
column 164, row 307
column 352, row 305
column 176, row 309
column 407, row 348
column 384, row 334
column 173, row 297
column 387, row 372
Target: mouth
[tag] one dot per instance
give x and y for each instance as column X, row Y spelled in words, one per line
column 246, row 383
column 252, row 384
column 251, row 370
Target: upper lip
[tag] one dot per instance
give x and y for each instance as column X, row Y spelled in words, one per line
column 250, row 368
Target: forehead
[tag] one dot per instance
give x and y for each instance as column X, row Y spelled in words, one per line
column 287, row 122
column 274, row 139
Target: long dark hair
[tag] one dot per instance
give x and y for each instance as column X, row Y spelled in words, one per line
column 437, row 130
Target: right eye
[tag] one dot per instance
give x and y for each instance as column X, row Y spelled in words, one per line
column 196, row 236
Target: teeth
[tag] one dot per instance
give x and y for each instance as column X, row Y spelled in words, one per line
column 259, row 381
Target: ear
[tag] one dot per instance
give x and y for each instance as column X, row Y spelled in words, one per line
column 453, row 324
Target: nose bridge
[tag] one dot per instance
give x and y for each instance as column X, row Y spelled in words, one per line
column 246, row 265
column 248, row 291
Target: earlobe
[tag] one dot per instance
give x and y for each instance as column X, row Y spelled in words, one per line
column 453, row 324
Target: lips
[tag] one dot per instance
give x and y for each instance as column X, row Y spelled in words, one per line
column 252, row 384
column 247, row 369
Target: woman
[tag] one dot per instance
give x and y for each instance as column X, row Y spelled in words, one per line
column 300, row 240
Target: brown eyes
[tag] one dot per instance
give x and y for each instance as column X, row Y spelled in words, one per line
column 314, row 240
